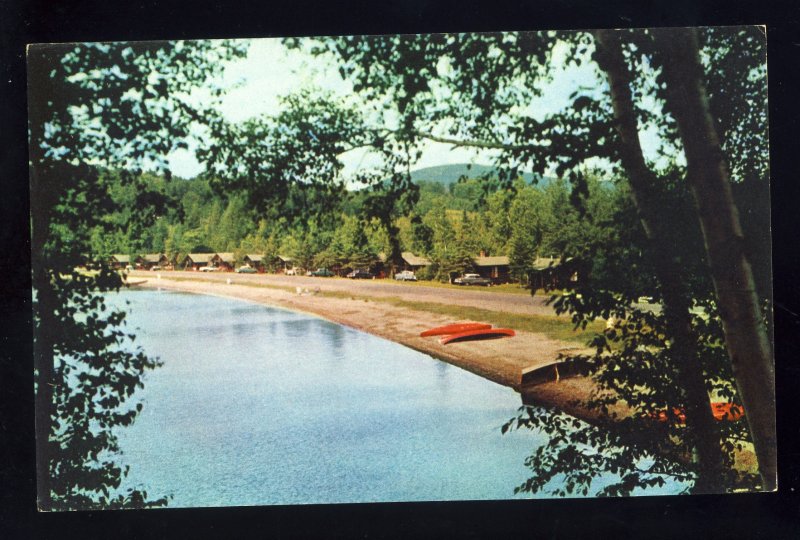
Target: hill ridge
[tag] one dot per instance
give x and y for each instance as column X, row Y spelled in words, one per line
column 450, row 173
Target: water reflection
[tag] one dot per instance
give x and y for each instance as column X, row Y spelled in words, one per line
column 336, row 336
column 442, row 376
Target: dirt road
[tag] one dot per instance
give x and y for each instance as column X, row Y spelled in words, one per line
column 384, row 288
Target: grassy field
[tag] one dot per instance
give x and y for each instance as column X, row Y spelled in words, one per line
column 513, row 288
column 554, row 327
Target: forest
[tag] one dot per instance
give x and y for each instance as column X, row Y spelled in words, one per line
column 450, row 224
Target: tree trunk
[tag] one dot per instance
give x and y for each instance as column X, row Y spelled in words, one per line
column 745, row 332
column 646, row 196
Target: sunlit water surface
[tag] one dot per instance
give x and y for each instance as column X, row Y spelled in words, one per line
column 257, row 405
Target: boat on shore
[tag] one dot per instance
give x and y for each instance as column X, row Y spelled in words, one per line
column 483, row 333
column 455, row 328
column 722, row 411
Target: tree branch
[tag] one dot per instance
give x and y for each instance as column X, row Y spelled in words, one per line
column 380, row 134
column 475, row 143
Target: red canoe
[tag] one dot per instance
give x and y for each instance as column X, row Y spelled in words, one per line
column 478, row 334
column 727, row 411
column 455, row 329
column 721, row 411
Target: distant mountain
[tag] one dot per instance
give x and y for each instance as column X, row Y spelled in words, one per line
column 449, row 174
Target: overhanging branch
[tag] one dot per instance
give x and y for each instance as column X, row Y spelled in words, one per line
column 475, row 143
column 380, row 136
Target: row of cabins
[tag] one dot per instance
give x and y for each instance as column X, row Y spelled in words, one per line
column 192, row 261
column 195, row 261
column 544, row 270
column 144, row 262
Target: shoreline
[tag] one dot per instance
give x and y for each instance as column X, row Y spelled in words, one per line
column 499, row 360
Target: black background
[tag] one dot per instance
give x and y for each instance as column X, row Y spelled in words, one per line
column 734, row 516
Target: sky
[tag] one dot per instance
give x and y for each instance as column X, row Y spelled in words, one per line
column 270, row 71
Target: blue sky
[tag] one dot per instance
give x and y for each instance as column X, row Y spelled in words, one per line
column 270, row 71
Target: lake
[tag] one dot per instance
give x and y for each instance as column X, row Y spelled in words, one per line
column 256, row 405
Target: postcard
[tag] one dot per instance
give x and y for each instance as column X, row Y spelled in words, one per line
column 433, row 267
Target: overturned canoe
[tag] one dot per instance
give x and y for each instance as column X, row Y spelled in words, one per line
column 722, row 411
column 727, row 411
column 489, row 333
column 456, row 328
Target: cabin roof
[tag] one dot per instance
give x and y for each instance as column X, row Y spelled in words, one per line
column 200, row 257
column 500, row 260
column 414, row 260
column 542, row 263
column 253, row 257
column 121, row 258
column 408, row 257
column 227, row 257
column 152, row 257
column 284, row 258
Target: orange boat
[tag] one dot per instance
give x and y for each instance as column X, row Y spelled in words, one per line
column 721, row 411
column 456, row 328
column 727, row 411
column 484, row 333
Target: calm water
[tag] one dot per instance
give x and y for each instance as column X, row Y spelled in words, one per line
column 256, row 405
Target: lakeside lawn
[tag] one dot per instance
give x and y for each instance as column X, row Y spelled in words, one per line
column 553, row 326
column 513, row 288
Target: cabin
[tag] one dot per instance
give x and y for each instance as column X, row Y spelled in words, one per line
column 496, row 268
column 286, row 263
column 413, row 262
column 254, row 261
column 225, row 261
column 146, row 262
column 167, row 263
column 119, row 261
column 549, row 272
column 194, row 261
column 409, row 261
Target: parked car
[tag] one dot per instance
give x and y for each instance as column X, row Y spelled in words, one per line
column 361, row 274
column 322, row 272
column 246, row 270
column 129, row 268
column 155, row 268
column 472, row 279
column 209, row 269
column 405, row 275
column 291, row 272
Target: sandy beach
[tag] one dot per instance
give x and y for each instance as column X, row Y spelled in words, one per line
column 369, row 310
